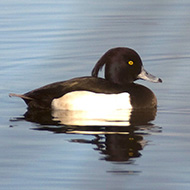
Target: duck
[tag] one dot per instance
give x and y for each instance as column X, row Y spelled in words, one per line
column 117, row 90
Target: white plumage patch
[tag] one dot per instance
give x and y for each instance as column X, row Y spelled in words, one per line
column 85, row 100
column 89, row 108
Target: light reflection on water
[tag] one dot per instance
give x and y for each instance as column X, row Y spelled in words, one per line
column 43, row 42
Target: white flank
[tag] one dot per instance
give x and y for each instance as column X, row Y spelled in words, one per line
column 89, row 108
column 85, row 100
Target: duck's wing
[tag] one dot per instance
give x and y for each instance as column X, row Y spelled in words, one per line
column 42, row 97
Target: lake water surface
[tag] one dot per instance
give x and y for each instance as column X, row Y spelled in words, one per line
column 47, row 41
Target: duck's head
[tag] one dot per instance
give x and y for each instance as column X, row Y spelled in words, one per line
column 123, row 66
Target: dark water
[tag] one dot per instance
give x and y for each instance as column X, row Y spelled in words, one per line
column 47, row 41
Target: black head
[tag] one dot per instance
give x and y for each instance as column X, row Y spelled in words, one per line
column 122, row 66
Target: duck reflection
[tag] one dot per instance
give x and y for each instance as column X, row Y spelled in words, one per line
column 121, row 147
column 81, row 118
column 117, row 137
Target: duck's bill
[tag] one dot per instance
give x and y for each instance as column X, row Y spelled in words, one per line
column 144, row 75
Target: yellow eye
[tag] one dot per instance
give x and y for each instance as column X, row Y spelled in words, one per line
column 130, row 62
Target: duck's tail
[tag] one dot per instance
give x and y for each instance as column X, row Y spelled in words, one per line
column 21, row 96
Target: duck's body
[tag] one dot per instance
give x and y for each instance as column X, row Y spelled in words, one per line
column 117, row 90
column 42, row 98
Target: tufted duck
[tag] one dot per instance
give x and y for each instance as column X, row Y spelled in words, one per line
column 116, row 92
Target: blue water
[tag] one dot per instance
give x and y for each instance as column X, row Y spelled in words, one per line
column 46, row 41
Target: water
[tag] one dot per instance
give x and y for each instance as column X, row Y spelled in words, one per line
column 43, row 42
